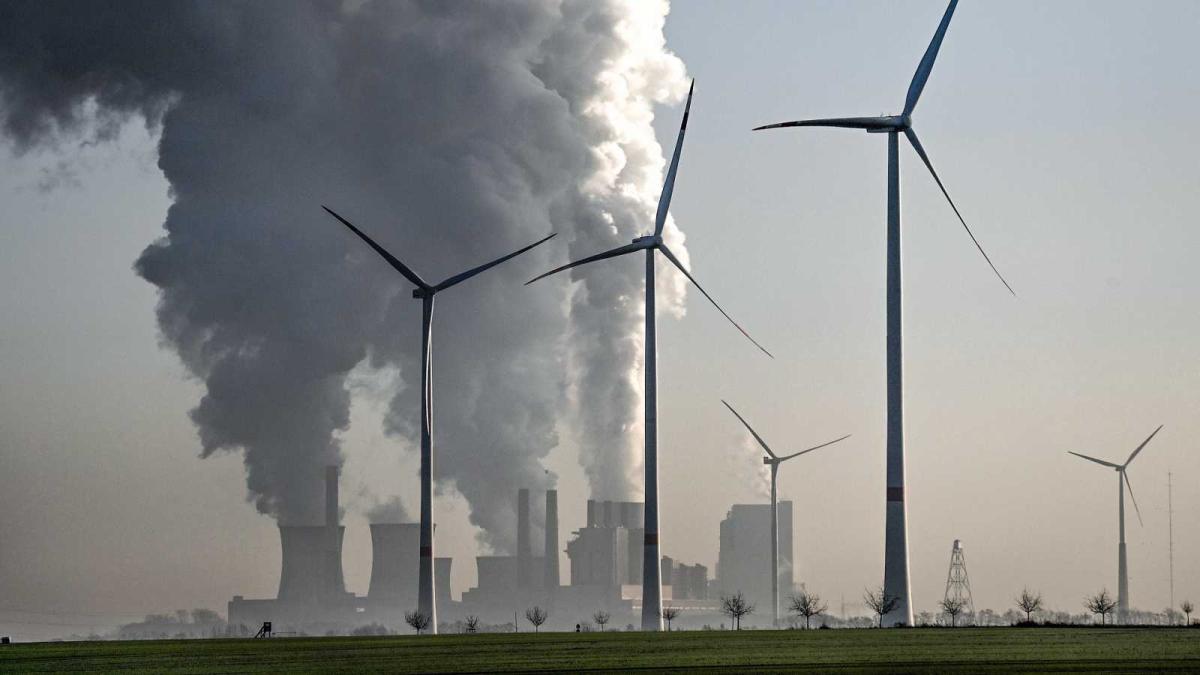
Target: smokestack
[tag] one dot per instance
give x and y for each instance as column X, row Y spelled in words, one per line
column 551, row 555
column 591, row 513
column 523, row 552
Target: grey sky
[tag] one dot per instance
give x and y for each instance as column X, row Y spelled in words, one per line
column 1065, row 133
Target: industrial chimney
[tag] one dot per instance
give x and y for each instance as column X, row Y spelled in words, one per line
column 523, row 552
column 551, row 555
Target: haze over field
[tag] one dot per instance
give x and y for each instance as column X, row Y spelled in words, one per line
column 1063, row 130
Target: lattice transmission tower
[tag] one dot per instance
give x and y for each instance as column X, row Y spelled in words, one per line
column 958, row 584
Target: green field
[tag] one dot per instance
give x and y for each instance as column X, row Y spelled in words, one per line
column 894, row 651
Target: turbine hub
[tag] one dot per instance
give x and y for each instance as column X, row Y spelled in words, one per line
column 890, row 124
column 648, row 239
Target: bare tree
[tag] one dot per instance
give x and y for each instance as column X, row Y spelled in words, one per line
column 601, row 618
column 952, row 607
column 418, row 621
column 735, row 607
column 880, row 602
column 669, row 614
column 1029, row 603
column 536, row 616
column 472, row 622
column 1187, row 608
column 807, row 605
column 1102, row 603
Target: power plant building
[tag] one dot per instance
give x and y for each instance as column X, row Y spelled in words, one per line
column 508, row 583
column 744, row 559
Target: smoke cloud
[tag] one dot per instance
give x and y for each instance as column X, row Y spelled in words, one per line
column 746, row 465
column 453, row 133
column 389, row 511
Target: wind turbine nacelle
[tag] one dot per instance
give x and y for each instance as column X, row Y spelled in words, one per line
column 649, row 240
column 891, row 124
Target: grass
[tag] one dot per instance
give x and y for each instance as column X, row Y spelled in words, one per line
column 845, row 651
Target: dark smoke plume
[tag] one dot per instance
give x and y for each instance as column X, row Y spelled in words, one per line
column 453, row 132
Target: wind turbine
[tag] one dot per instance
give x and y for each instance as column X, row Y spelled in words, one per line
column 651, row 573
column 772, row 460
column 1122, row 482
column 895, row 565
column 424, row 291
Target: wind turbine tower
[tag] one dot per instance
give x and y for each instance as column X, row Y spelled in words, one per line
column 895, row 565
column 772, row 460
column 1122, row 483
column 1171, row 541
column 958, row 584
column 651, row 571
column 424, row 292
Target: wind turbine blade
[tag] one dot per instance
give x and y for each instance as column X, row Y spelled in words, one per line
column 926, row 65
column 815, row 447
column 671, row 256
column 1129, row 485
column 838, row 122
column 1139, row 448
column 664, row 200
column 750, row 429
column 1093, row 459
column 620, row 250
column 459, row 278
column 916, row 144
column 392, row 260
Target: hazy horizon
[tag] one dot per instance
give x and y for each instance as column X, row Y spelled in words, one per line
column 1062, row 130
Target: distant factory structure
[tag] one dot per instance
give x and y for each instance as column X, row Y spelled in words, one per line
column 507, row 583
column 744, row 557
column 312, row 588
column 605, row 558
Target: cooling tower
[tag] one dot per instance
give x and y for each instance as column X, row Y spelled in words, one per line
column 551, row 557
column 394, row 549
column 523, row 552
column 311, row 567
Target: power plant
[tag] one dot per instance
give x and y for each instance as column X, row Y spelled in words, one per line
column 605, row 572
